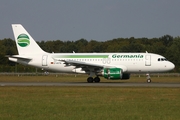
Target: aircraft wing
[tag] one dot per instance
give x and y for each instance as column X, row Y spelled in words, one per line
column 80, row 64
column 91, row 66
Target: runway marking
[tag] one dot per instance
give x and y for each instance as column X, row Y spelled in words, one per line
column 90, row 84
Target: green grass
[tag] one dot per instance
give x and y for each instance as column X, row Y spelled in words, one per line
column 87, row 103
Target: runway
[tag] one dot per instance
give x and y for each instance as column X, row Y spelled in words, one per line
column 89, row 84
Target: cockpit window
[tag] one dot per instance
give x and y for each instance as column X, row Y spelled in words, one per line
column 162, row 59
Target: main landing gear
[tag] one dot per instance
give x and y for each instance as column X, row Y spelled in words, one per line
column 148, row 78
column 91, row 80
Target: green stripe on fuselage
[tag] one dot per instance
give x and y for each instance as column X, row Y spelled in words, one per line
column 82, row 56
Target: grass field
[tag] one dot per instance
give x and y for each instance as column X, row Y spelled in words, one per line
column 87, row 103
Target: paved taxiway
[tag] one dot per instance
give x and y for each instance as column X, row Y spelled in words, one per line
column 90, row 84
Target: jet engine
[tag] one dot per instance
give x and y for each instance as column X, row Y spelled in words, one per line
column 114, row 74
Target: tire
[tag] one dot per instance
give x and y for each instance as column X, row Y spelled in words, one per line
column 90, row 80
column 148, row 80
column 96, row 79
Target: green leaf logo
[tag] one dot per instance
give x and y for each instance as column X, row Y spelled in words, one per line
column 23, row 40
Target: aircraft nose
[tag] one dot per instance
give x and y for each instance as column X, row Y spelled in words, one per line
column 171, row 66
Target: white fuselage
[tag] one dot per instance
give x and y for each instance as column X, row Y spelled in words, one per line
column 129, row 62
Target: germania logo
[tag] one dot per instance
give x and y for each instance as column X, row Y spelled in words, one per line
column 23, row 40
column 127, row 56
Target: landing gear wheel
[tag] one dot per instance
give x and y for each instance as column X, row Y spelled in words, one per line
column 90, row 80
column 148, row 80
column 96, row 79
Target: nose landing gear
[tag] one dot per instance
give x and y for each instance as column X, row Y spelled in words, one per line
column 148, row 78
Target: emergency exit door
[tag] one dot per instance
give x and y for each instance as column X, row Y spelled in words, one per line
column 148, row 60
column 44, row 60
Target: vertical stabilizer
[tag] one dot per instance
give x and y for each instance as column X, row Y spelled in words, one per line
column 24, row 42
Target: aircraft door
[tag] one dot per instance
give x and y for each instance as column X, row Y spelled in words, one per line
column 44, row 60
column 148, row 60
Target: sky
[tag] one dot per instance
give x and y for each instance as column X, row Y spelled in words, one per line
column 99, row 20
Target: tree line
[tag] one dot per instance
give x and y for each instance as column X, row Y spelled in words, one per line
column 166, row 45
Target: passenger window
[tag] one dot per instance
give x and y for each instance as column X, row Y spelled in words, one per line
column 158, row 59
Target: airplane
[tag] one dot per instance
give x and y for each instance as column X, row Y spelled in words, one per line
column 112, row 66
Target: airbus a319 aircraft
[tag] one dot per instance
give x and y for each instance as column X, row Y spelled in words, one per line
column 113, row 66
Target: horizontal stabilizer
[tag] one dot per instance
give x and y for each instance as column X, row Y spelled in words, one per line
column 19, row 57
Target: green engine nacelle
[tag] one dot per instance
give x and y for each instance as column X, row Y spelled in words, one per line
column 113, row 73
